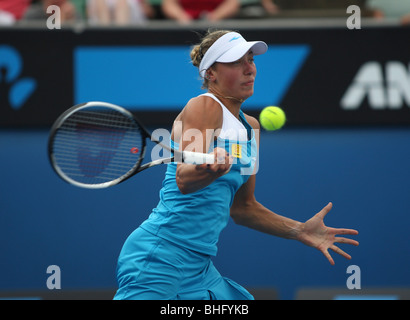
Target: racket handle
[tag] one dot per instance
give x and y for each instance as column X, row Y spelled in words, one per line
column 197, row 157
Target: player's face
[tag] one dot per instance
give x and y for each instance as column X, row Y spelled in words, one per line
column 236, row 79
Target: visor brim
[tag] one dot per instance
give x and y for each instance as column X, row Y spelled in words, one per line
column 237, row 52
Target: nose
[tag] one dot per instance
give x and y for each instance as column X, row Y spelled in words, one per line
column 249, row 67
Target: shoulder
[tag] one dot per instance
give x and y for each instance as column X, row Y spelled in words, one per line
column 204, row 104
column 254, row 123
column 203, row 111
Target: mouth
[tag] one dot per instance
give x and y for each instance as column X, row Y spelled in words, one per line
column 248, row 83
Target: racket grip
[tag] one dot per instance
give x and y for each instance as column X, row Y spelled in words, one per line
column 197, row 157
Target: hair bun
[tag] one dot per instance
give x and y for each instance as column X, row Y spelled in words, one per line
column 196, row 56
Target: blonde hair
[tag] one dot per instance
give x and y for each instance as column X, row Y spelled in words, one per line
column 198, row 51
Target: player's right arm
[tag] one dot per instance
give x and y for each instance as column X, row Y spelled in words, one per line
column 200, row 119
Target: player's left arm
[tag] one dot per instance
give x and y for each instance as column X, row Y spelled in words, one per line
column 247, row 211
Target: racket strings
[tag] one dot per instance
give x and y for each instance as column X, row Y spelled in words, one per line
column 97, row 145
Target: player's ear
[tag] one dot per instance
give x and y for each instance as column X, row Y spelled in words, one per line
column 210, row 75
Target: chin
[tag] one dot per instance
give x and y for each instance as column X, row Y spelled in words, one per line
column 248, row 94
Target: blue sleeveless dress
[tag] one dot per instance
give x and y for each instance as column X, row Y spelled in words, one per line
column 169, row 255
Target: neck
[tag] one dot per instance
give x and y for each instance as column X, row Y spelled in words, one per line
column 232, row 103
column 227, row 97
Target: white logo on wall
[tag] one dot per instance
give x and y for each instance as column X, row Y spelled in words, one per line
column 385, row 86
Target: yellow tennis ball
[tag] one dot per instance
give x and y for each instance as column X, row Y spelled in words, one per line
column 272, row 118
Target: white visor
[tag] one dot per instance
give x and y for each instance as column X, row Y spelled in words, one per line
column 229, row 48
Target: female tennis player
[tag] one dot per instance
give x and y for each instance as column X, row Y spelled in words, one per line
column 169, row 255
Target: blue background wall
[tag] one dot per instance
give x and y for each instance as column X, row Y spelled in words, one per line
column 363, row 171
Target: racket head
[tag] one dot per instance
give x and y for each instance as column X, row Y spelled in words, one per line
column 96, row 145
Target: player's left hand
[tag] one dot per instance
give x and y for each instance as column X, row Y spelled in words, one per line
column 315, row 234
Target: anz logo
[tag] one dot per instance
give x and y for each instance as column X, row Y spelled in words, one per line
column 385, row 86
column 14, row 89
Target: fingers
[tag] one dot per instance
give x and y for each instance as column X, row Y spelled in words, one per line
column 342, row 240
column 322, row 213
column 331, row 232
column 223, row 161
column 341, row 252
column 222, row 156
column 347, row 241
column 329, row 257
column 338, row 251
column 346, row 231
column 222, row 165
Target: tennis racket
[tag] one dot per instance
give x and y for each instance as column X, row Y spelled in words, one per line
column 98, row 144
